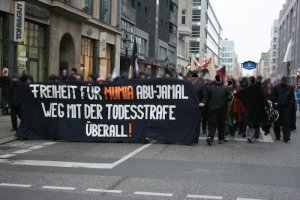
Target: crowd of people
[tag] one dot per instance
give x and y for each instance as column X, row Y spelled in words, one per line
column 221, row 110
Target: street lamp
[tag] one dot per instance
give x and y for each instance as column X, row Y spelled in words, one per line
column 126, row 41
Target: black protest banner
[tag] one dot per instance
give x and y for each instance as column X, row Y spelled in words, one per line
column 165, row 110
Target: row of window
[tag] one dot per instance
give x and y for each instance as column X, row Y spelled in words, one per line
column 227, row 60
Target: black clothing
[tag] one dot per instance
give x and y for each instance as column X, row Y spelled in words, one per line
column 15, row 103
column 284, row 98
column 5, row 85
column 218, row 98
column 201, row 92
column 216, row 120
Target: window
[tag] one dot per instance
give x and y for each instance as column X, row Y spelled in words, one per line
column 194, row 47
column 195, row 31
column 105, row 10
column 146, row 11
column 196, row 2
column 88, row 6
column 162, row 53
column 31, row 53
column 183, row 17
column 132, row 3
column 196, row 16
column 171, row 6
column 87, row 56
column 139, row 5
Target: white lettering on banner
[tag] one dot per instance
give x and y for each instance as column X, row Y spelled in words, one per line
column 74, row 111
column 53, row 91
column 54, row 110
column 92, row 111
column 92, row 92
column 160, row 92
column 134, row 112
column 19, row 21
column 104, row 130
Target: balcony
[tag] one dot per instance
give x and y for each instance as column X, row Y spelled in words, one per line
column 129, row 13
column 184, row 30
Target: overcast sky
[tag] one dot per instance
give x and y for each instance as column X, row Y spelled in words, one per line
column 248, row 23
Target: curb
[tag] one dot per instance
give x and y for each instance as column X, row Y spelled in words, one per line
column 7, row 139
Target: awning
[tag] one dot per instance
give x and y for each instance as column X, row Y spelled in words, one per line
column 288, row 53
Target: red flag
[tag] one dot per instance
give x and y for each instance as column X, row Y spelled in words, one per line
column 221, row 72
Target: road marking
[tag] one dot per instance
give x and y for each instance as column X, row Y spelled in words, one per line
column 266, row 138
column 130, row 155
column 49, row 163
column 247, row 199
column 15, row 185
column 104, row 191
column 49, row 143
column 7, row 155
column 203, row 197
column 36, row 147
column 46, row 163
column 154, row 194
column 22, row 151
column 58, row 188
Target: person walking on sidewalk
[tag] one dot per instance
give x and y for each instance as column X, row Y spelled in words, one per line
column 218, row 98
column 284, row 98
column 5, row 84
column 15, row 102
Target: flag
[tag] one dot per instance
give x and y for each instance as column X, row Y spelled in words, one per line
column 134, row 59
column 254, row 100
column 194, row 64
column 222, row 73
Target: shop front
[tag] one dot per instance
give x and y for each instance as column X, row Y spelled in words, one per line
column 31, row 54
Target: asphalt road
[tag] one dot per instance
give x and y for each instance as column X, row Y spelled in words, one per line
column 235, row 170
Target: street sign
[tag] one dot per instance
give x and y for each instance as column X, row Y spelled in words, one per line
column 249, row 65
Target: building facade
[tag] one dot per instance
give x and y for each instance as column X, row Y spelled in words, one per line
column 289, row 39
column 184, row 35
column 206, row 32
column 274, row 49
column 264, row 65
column 230, row 59
column 153, row 24
column 61, row 34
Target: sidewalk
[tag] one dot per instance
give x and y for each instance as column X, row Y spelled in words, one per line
column 6, row 135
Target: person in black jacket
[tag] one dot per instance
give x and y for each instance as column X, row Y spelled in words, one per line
column 218, row 98
column 15, row 101
column 5, row 84
column 284, row 98
column 201, row 92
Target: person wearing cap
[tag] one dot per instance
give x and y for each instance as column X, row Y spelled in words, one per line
column 218, row 98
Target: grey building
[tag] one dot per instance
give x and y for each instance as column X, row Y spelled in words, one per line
column 153, row 23
column 184, row 35
column 289, row 39
column 61, row 34
column 274, row 49
column 206, row 32
column 230, row 59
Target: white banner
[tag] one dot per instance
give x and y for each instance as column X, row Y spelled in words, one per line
column 19, row 21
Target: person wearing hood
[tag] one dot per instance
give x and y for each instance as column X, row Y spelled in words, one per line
column 284, row 98
column 218, row 98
